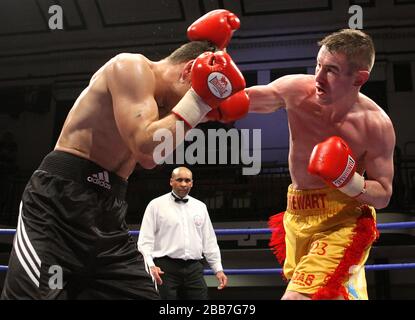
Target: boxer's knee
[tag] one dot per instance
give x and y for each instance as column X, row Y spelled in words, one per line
column 292, row 295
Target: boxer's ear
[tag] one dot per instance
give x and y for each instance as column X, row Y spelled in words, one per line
column 361, row 77
column 187, row 71
column 188, row 67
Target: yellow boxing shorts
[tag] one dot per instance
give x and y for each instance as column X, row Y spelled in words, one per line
column 327, row 240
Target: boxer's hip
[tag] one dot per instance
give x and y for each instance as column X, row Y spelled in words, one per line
column 325, row 201
column 71, row 204
column 324, row 228
column 85, row 172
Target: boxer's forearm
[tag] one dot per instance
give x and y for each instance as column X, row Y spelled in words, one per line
column 376, row 194
column 169, row 131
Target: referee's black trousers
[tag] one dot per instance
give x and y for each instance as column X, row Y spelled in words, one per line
column 182, row 279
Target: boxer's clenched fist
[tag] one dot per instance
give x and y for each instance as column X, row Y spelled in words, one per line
column 333, row 161
column 215, row 78
column 216, row 26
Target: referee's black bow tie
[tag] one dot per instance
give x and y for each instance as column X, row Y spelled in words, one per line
column 177, row 199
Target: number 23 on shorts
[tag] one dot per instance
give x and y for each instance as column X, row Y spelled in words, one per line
column 319, row 248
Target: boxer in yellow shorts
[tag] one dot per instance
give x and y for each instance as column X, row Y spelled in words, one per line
column 327, row 241
column 338, row 137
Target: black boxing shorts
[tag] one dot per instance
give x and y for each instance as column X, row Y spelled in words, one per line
column 72, row 241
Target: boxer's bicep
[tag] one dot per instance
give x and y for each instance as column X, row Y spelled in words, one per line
column 264, row 98
column 131, row 85
column 134, row 125
column 379, row 157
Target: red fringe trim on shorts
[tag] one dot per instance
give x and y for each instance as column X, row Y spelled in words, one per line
column 364, row 234
column 277, row 242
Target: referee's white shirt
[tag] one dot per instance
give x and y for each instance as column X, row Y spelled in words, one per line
column 178, row 230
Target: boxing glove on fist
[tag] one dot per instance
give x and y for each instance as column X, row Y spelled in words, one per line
column 215, row 77
column 333, row 161
column 216, row 26
column 231, row 109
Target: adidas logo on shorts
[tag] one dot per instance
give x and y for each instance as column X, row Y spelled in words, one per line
column 101, row 178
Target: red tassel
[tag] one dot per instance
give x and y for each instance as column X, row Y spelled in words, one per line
column 364, row 234
column 277, row 242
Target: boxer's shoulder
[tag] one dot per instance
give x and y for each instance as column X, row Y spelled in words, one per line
column 130, row 68
column 297, row 86
column 130, row 62
column 295, row 82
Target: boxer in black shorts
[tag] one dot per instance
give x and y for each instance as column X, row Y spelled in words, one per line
column 72, row 241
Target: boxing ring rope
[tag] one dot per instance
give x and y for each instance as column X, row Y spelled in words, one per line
column 375, row 267
column 253, row 231
column 380, row 226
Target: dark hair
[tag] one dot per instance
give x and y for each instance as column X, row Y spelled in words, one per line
column 355, row 44
column 190, row 51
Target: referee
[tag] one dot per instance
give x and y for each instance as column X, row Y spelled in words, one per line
column 175, row 234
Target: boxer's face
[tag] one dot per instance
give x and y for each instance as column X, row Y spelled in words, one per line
column 334, row 77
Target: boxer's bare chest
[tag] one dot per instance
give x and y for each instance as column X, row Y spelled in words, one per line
column 91, row 131
column 311, row 124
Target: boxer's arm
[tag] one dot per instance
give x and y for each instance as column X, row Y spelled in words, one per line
column 271, row 97
column 132, row 84
column 379, row 167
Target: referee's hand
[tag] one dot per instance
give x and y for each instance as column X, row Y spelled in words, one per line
column 157, row 272
column 222, row 278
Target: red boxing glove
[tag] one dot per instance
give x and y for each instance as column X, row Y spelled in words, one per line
column 216, row 26
column 215, row 77
column 231, row 109
column 333, row 161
